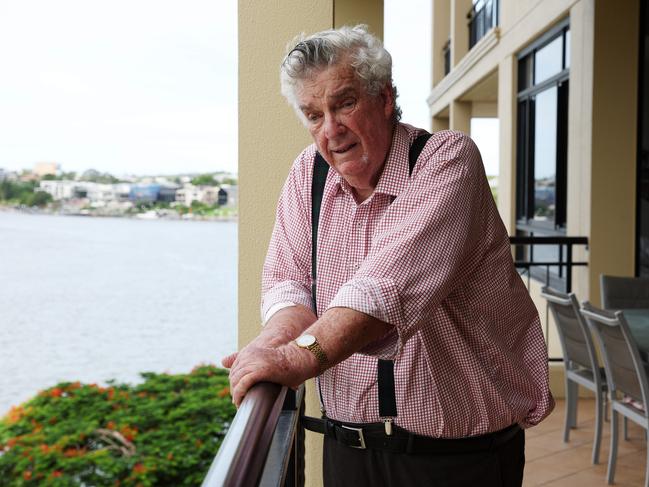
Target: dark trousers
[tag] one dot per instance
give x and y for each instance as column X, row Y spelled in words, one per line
column 344, row 466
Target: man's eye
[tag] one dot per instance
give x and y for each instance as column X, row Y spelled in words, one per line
column 349, row 103
column 313, row 117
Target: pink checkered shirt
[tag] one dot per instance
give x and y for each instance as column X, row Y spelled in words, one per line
column 430, row 255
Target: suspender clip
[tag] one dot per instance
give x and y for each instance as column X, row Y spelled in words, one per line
column 388, row 426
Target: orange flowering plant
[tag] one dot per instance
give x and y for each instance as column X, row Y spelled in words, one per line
column 164, row 431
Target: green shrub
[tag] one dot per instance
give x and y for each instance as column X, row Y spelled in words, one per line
column 163, row 432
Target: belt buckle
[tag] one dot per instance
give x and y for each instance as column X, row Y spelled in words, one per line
column 360, row 436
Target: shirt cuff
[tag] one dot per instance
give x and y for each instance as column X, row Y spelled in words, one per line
column 274, row 309
column 381, row 299
column 283, row 292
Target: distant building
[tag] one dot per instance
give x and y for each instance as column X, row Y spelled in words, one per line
column 232, row 195
column 3, row 174
column 150, row 193
column 44, row 168
column 60, row 190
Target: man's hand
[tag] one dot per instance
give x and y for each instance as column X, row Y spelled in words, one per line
column 287, row 365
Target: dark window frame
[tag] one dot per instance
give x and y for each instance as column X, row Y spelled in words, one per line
column 527, row 92
column 525, row 183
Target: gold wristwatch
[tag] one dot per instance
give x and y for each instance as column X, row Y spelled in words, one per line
column 310, row 343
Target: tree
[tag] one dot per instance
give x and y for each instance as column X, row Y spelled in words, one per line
column 164, row 431
column 204, row 180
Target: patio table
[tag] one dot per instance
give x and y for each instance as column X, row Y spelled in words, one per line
column 638, row 320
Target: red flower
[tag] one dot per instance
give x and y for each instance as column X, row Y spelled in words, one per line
column 111, row 425
column 27, row 474
column 56, row 392
column 224, row 392
column 57, row 473
column 139, row 468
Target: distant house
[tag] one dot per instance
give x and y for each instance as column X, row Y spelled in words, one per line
column 150, row 193
column 204, row 194
column 231, row 195
column 46, row 168
column 223, row 197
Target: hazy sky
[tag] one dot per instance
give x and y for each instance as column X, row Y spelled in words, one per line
column 408, row 38
column 137, row 86
column 144, row 86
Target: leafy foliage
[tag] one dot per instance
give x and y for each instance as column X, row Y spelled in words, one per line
column 94, row 176
column 24, row 193
column 163, row 432
column 205, row 180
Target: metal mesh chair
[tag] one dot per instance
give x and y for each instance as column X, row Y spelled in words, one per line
column 624, row 292
column 625, row 373
column 580, row 362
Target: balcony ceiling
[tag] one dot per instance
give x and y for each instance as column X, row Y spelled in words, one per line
column 485, row 90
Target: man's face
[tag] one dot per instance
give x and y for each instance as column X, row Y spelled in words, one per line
column 352, row 130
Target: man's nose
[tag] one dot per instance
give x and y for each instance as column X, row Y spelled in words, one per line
column 333, row 127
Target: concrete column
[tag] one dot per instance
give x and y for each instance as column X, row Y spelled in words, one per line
column 459, row 30
column 440, row 123
column 460, row 116
column 270, row 137
column 614, row 141
column 441, row 34
column 507, row 103
column 352, row 12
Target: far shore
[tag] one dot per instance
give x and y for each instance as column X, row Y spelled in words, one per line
column 145, row 215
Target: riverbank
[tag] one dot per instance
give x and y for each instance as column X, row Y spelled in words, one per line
column 226, row 215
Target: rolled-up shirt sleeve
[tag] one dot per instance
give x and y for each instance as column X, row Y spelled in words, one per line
column 286, row 274
column 425, row 243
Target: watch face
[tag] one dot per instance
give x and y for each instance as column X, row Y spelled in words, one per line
column 305, row 340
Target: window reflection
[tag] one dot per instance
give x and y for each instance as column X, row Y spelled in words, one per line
column 545, row 150
column 548, row 60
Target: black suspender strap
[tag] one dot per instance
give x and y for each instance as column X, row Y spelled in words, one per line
column 387, row 396
column 415, row 149
column 385, row 368
column 320, row 170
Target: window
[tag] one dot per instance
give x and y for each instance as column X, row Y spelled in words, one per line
column 483, row 16
column 542, row 149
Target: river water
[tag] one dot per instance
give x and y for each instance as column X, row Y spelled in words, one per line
column 92, row 299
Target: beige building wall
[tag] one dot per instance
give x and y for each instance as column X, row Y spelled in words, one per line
column 270, row 137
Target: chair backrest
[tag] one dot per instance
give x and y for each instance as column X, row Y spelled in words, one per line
column 625, row 372
column 574, row 335
column 624, row 292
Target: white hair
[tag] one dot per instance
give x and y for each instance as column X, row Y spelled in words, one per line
column 371, row 62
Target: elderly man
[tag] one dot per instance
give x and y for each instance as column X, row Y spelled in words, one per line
column 427, row 349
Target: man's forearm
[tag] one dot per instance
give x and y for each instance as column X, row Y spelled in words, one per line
column 287, row 324
column 344, row 331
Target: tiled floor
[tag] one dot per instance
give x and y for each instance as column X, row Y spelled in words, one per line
column 553, row 463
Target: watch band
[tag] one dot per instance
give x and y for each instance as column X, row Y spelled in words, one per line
column 310, row 343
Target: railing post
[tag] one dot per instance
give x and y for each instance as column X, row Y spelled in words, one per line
column 569, row 271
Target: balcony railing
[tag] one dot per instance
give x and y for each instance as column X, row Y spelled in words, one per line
column 446, row 52
column 483, row 16
column 556, row 273
column 264, row 445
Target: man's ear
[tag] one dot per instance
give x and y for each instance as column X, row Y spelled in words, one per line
column 387, row 95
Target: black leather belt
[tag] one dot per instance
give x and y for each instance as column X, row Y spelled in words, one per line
column 373, row 436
